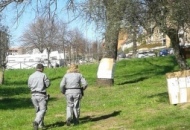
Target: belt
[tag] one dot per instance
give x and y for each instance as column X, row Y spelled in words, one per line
column 36, row 92
column 73, row 88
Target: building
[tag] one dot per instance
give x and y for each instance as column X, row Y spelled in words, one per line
column 15, row 51
column 156, row 37
column 27, row 61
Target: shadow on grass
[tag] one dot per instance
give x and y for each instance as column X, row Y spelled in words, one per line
column 56, row 78
column 10, row 91
column 147, row 73
column 15, row 83
column 54, row 125
column 13, row 103
column 16, row 103
column 20, row 82
column 163, row 97
column 103, row 117
column 84, row 120
column 165, row 68
column 133, row 80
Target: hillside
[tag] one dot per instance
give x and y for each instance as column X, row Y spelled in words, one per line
column 138, row 100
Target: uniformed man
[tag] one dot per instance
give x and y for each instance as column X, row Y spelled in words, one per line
column 72, row 85
column 38, row 82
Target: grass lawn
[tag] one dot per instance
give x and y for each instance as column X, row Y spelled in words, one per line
column 137, row 101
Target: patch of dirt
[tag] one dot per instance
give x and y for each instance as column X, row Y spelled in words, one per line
column 59, row 115
column 107, row 124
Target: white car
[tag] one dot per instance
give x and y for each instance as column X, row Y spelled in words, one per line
column 145, row 54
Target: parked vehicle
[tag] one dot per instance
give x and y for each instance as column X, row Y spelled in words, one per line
column 122, row 55
column 129, row 55
column 145, row 54
column 163, row 52
column 171, row 51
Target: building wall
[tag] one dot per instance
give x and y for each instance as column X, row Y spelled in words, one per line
column 122, row 39
column 15, row 51
column 159, row 37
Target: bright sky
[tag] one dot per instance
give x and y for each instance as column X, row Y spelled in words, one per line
column 16, row 29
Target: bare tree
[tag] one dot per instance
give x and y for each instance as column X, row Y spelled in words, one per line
column 94, row 50
column 42, row 34
column 77, row 44
column 63, row 43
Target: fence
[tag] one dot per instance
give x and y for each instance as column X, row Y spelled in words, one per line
column 21, row 65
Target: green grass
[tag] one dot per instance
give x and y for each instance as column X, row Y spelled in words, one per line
column 138, row 100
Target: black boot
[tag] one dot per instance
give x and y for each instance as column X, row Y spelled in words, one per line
column 35, row 125
column 75, row 120
column 68, row 122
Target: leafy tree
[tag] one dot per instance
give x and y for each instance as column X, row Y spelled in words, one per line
column 106, row 13
column 111, row 15
column 170, row 16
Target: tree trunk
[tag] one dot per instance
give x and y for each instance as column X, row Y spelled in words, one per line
column 105, row 82
column 134, row 41
column 105, row 72
column 114, row 13
column 173, row 35
column 64, row 53
column 1, row 76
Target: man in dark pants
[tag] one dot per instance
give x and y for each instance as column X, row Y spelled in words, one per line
column 38, row 82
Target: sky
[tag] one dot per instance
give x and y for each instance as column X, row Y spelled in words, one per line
column 17, row 27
